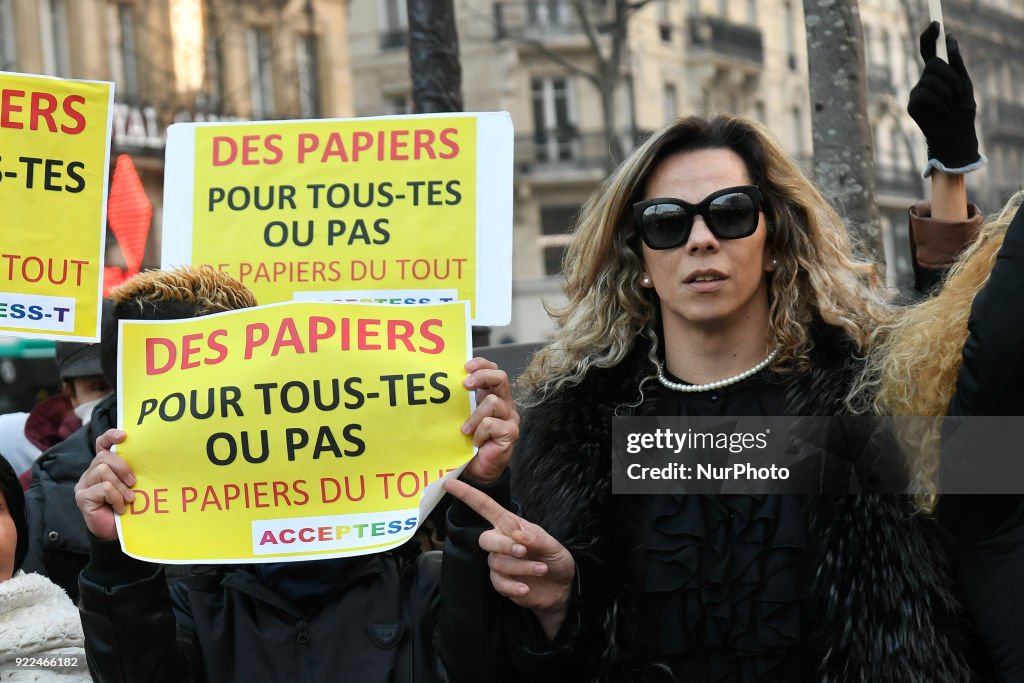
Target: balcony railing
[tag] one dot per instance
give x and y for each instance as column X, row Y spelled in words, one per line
column 979, row 14
column 536, row 19
column 718, row 36
column 891, row 179
column 568, row 149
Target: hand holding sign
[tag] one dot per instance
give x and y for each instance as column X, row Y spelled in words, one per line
column 942, row 104
column 104, row 487
column 495, row 422
column 528, row 566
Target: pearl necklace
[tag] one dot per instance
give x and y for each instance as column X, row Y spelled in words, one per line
column 693, row 388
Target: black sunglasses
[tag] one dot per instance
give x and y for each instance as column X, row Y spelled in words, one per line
column 730, row 214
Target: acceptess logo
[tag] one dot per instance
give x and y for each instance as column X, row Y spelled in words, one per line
column 337, row 532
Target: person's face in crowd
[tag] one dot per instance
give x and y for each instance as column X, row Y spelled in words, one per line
column 708, row 282
column 8, row 541
column 86, row 389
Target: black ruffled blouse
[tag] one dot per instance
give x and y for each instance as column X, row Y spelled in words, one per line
column 725, row 580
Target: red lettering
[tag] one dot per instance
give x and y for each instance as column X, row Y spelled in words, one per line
column 398, row 144
column 188, row 495
column 231, row 492
column 43, row 106
column 287, row 536
column 275, row 149
column 222, row 351
column 324, row 482
column 141, row 498
column 335, row 148
column 268, row 537
column 210, row 499
column 319, row 328
column 281, row 491
column 447, row 139
column 160, row 501
column 307, row 535
column 189, row 349
column 287, row 335
column 361, row 141
column 73, row 114
column 152, row 344
column 219, row 158
column 249, row 150
column 258, row 494
column 324, row 533
column 403, row 335
column 364, row 334
column 256, row 334
column 308, row 142
column 7, row 107
column 423, row 144
column 425, row 332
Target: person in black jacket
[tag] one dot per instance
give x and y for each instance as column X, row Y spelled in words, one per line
column 60, row 541
column 959, row 354
column 369, row 618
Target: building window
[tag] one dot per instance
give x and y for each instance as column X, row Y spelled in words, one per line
column 751, row 12
column 53, row 37
column 664, row 27
column 546, row 13
column 669, row 106
column 897, row 148
column 261, row 73
column 554, row 128
column 309, row 76
column 723, row 8
column 123, row 69
column 694, row 6
column 8, row 48
column 797, row 124
column 556, row 222
column 213, row 80
column 395, row 24
column 788, row 31
column 759, row 111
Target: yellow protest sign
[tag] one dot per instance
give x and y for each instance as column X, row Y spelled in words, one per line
column 54, row 145
column 397, row 210
column 290, row 431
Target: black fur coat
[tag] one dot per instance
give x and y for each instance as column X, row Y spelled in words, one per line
column 887, row 603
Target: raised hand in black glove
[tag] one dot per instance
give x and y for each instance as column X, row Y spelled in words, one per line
column 942, row 104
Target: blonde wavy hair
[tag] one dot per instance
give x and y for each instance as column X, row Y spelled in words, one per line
column 817, row 276
column 912, row 370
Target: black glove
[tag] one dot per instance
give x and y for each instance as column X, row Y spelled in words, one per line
column 942, row 104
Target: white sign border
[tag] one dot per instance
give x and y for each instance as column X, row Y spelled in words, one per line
column 494, row 159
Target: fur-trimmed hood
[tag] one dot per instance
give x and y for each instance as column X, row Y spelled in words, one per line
column 882, row 582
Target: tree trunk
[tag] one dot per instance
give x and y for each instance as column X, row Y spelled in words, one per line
column 434, row 65
column 436, row 74
column 844, row 164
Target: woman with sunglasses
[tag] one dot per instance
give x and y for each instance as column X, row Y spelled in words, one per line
column 708, row 277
